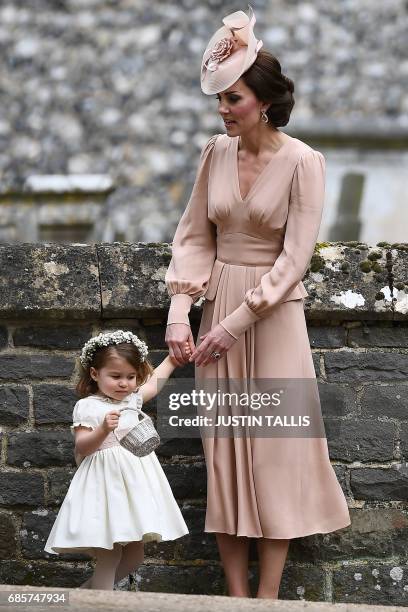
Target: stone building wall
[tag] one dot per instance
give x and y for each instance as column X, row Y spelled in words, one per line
column 53, row 298
column 111, row 88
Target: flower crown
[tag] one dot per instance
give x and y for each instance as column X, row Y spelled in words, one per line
column 110, row 338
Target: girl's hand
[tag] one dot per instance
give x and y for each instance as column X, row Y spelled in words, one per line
column 187, row 351
column 111, row 421
column 177, row 335
column 217, row 339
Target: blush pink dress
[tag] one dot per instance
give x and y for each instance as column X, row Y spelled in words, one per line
column 247, row 257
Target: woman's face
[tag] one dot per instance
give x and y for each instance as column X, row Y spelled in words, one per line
column 239, row 108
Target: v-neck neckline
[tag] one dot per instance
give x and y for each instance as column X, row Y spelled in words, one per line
column 261, row 173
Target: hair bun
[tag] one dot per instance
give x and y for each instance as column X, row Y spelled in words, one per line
column 290, row 84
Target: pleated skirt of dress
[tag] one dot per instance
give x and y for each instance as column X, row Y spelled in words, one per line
column 116, row 497
column 271, row 487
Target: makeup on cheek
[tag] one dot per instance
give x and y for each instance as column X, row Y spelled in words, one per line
column 244, row 109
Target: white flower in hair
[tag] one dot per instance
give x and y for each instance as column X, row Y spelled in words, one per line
column 111, row 338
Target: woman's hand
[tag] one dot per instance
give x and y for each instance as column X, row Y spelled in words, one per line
column 178, row 337
column 217, row 339
column 187, row 351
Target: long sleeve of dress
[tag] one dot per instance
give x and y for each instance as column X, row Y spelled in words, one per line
column 302, row 228
column 193, row 248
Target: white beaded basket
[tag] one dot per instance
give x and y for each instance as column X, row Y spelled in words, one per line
column 143, row 438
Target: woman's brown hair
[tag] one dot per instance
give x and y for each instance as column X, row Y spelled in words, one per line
column 266, row 80
column 144, row 369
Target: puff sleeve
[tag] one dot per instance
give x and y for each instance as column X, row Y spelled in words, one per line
column 194, row 246
column 82, row 415
column 302, row 228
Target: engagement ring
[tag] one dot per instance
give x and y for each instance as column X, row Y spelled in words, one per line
column 215, row 355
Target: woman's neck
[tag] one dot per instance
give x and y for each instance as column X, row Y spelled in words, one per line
column 261, row 140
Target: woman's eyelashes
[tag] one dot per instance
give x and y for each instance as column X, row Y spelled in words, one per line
column 230, row 99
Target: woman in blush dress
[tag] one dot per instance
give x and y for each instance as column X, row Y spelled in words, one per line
column 244, row 242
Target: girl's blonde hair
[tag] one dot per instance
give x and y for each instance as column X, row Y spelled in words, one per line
column 144, row 369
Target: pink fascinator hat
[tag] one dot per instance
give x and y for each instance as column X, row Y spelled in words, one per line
column 230, row 52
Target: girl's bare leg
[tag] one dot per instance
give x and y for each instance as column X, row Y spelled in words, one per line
column 272, row 556
column 234, row 553
column 104, row 573
column 132, row 557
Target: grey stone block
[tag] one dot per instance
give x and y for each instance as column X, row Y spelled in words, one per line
column 128, row 286
column 326, row 336
column 197, row 544
column 372, row 583
column 28, row 367
column 376, row 533
column 345, row 366
column 205, row 579
column 341, row 474
column 59, row 480
column 337, row 400
column 389, row 401
column 21, row 488
column 165, row 551
column 36, row 573
column 53, row 403
column 404, row 440
column 316, row 363
column 40, row 449
column 360, row 440
column 3, row 337
column 187, row 480
column 8, row 536
column 348, row 282
column 14, row 405
column 180, row 446
column 67, row 282
column 304, row 581
column 154, row 332
column 376, row 336
column 64, row 337
column 376, row 484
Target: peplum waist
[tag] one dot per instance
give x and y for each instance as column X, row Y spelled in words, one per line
column 245, row 250
column 239, row 249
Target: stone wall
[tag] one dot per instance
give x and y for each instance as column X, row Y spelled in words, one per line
column 111, row 88
column 53, row 298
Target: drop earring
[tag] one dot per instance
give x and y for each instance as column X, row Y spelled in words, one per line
column 264, row 116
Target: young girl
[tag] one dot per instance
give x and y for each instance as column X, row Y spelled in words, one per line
column 116, row 501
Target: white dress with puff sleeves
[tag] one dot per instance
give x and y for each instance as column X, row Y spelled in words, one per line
column 114, row 496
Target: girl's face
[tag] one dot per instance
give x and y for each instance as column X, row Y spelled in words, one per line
column 117, row 378
column 239, row 108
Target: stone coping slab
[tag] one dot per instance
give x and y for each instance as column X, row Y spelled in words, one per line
column 345, row 280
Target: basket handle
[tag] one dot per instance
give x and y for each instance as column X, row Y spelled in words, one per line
column 139, row 410
column 131, row 408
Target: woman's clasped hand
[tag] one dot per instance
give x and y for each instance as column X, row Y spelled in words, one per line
column 183, row 350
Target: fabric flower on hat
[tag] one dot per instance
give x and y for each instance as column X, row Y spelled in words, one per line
column 222, row 49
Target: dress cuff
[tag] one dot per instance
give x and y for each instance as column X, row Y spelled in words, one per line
column 239, row 320
column 179, row 308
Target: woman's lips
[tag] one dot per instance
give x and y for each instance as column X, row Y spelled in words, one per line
column 229, row 122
